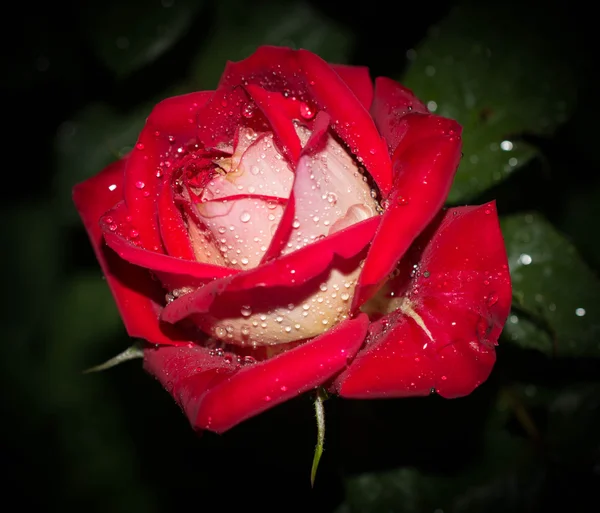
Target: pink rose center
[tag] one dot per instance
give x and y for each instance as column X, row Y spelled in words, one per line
column 238, row 212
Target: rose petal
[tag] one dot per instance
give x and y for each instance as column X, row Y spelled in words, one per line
column 217, row 398
column 291, row 270
column 171, row 124
column 359, row 80
column 123, row 239
column 173, row 231
column 280, row 112
column 442, row 334
column 329, row 195
column 392, row 101
column 424, row 168
column 137, row 295
column 350, row 119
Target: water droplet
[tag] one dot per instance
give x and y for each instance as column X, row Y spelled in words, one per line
column 296, row 224
column 134, row 234
column 255, row 170
column 267, row 398
column 246, row 311
column 305, row 111
column 525, row 259
column 492, row 299
column 506, row 145
column 139, row 146
column 245, row 217
column 580, row 312
column 248, row 111
column 140, row 185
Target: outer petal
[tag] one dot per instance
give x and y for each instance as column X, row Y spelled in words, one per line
column 124, row 239
column 393, row 101
column 451, row 314
column 137, row 295
column 171, row 125
column 424, row 165
column 216, row 397
column 359, row 80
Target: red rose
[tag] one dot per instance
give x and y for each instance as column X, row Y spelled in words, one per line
column 285, row 232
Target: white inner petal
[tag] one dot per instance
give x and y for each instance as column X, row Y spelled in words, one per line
column 330, row 194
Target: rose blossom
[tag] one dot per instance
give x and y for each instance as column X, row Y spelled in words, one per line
column 284, row 232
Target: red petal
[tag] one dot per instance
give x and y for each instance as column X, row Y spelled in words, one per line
column 280, row 112
column 461, row 294
column 393, row 101
column 292, row 270
column 173, row 231
column 187, row 373
column 137, row 295
column 124, row 240
column 310, row 79
column 359, row 80
column 350, row 119
column 173, row 118
column 284, row 228
column 424, row 167
column 261, row 386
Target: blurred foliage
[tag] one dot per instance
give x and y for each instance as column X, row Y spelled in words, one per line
column 518, row 77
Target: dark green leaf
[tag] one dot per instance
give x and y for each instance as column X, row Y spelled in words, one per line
column 583, row 206
column 500, row 72
column 553, row 287
column 129, row 35
column 241, row 28
column 497, row 481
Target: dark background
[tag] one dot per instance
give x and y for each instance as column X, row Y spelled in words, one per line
column 78, row 80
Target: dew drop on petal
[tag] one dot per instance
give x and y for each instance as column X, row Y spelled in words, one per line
column 305, row 111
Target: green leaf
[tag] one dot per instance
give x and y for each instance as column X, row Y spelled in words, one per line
column 500, row 72
column 128, row 35
column 488, row 484
column 582, row 206
column 95, row 137
column 553, row 287
column 242, row 27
